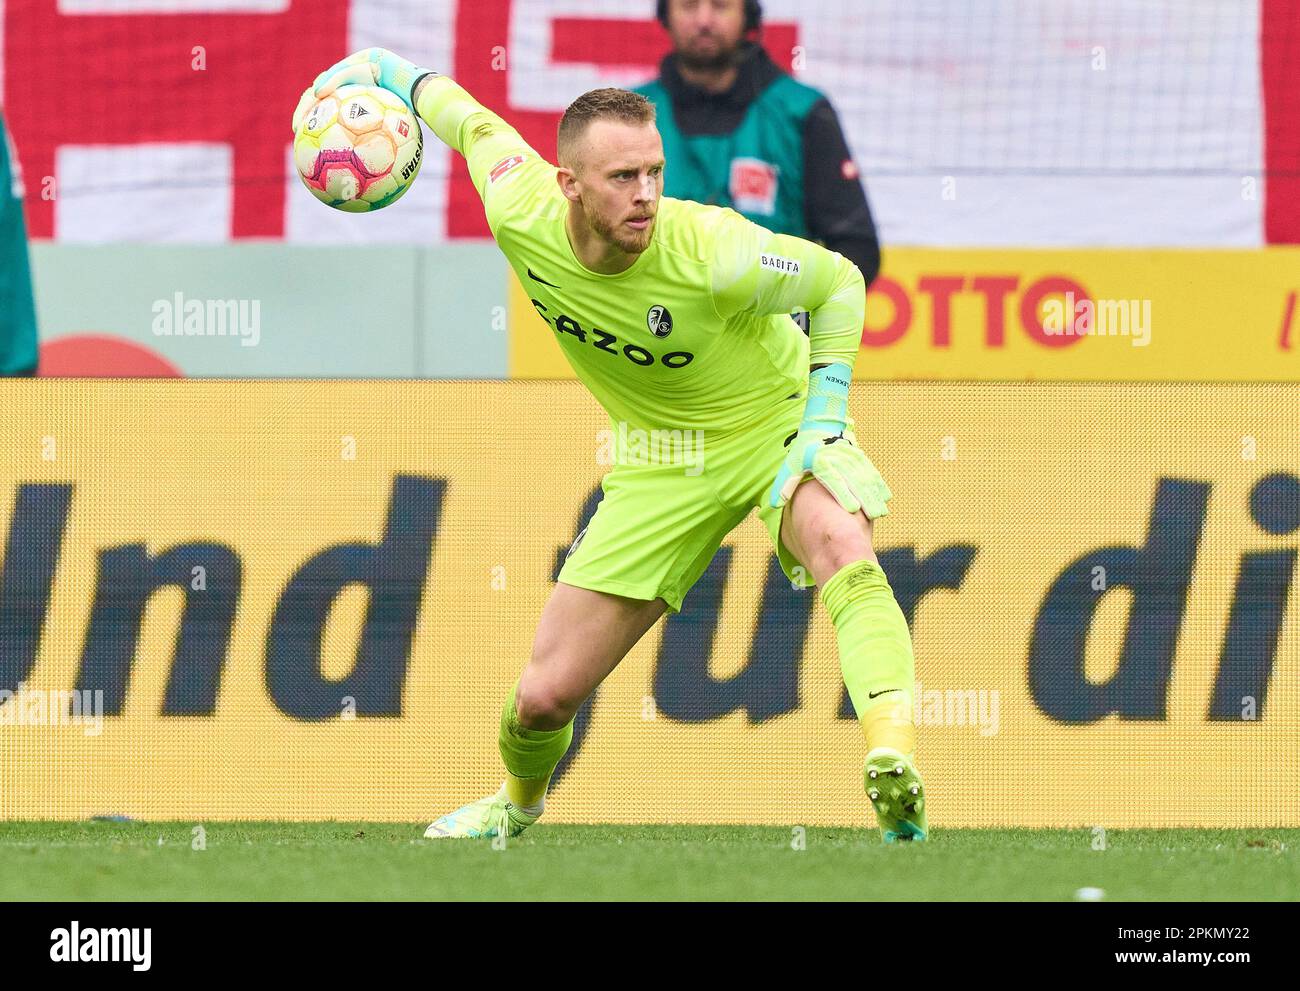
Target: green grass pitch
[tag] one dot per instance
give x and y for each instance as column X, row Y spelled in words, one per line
column 360, row 861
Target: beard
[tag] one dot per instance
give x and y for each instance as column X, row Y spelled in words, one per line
column 630, row 241
column 722, row 58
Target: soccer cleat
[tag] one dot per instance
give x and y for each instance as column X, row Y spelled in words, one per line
column 898, row 795
column 482, row 820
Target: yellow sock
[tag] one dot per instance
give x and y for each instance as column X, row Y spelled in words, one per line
column 891, row 725
column 526, row 792
column 530, row 755
column 875, row 654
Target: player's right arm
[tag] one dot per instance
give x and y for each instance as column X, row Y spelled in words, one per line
column 490, row 146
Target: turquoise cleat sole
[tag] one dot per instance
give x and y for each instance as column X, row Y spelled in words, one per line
column 897, row 794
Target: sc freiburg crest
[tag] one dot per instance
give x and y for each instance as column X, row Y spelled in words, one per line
column 660, row 321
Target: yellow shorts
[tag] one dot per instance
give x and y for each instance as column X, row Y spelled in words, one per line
column 668, row 504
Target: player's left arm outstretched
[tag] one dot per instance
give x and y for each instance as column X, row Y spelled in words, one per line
column 765, row 273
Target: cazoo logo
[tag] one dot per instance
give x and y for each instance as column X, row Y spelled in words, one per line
column 607, row 342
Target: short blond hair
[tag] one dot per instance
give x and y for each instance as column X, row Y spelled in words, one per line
column 600, row 104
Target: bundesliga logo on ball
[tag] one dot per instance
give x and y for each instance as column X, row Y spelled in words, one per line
column 358, row 149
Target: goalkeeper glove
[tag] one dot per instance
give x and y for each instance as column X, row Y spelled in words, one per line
column 826, row 447
column 372, row 67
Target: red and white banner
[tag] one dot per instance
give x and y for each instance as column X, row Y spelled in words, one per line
column 1004, row 123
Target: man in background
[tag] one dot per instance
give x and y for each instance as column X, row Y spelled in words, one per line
column 740, row 132
column 17, row 307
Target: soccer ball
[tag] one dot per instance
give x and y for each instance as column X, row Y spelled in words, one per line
column 358, row 149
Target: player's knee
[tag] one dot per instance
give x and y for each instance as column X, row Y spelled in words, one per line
column 542, row 705
column 844, row 556
column 835, row 544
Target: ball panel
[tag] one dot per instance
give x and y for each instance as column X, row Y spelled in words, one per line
column 342, row 183
column 407, row 165
column 390, row 101
column 361, row 114
column 401, row 191
column 376, row 152
column 321, row 116
column 400, row 125
column 380, row 189
column 305, row 153
column 336, row 137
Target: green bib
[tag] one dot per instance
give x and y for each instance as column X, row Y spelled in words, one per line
column 757, row 170
column 17, row 308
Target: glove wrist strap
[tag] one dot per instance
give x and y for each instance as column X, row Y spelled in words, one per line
column 828, row 397
column 415, row 81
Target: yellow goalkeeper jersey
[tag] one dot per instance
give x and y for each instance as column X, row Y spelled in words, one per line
column 697, row 333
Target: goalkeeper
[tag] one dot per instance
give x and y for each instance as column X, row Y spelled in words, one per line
column 675, row 315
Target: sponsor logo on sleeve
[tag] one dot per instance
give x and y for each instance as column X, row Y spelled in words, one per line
column 504, row 166
column 786, row 266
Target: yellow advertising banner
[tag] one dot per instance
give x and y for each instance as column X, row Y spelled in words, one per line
column 306, row 600
column 1067, row 315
